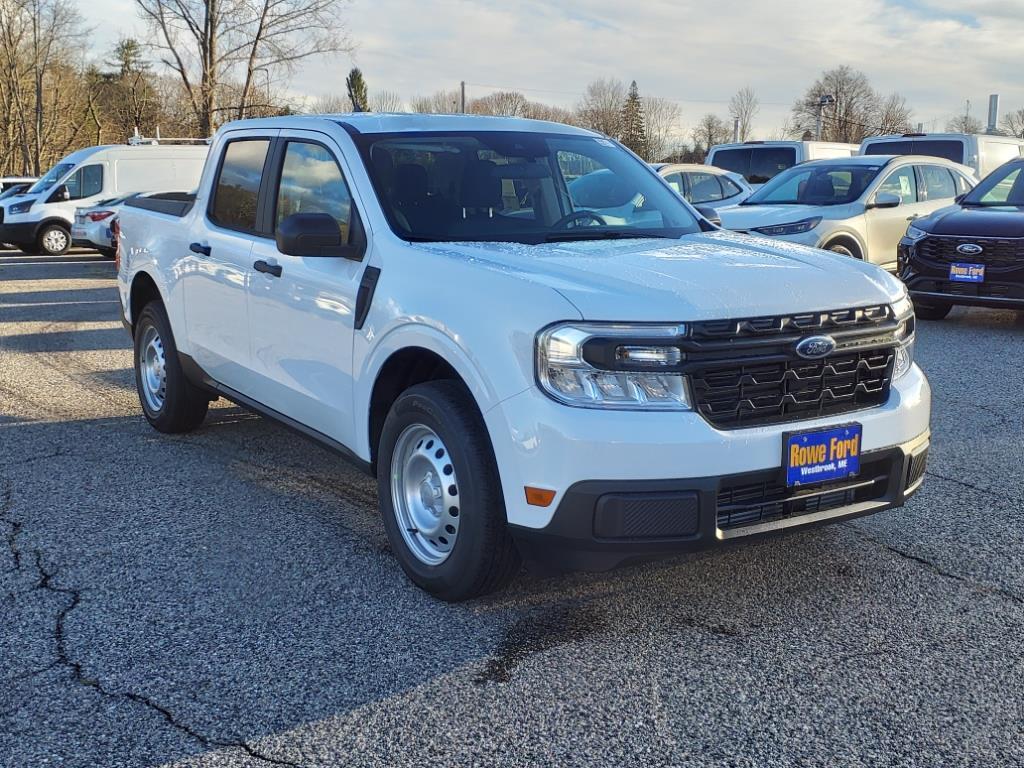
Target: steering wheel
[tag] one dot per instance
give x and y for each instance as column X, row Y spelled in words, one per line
column 571, row 218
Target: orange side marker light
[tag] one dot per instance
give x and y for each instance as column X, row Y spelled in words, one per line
column 539, row 497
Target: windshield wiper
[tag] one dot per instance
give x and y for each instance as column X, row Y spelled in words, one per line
column 606, row 234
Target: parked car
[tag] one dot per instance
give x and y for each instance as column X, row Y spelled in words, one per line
column 857, row 206
column 524, row 378
column 760, row 161
column 971, row 253
column 40, row 220
column 92, row 225
column 14, row 190
column 981, row 152
column 8, row 182
column 705, row 185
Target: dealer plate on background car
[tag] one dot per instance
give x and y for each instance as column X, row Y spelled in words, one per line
column 77, row 233
column 960, row 272
column 821, row 455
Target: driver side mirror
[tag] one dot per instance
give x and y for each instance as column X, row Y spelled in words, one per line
column 959, row 198
column 319, row 234
column 60, row 194
column 710, row 214
column 886, row 200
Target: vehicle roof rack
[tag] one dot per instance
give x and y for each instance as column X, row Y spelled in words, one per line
column 138, row 140
column 913, row 135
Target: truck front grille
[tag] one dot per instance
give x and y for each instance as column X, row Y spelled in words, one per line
column 746, row 373
column 996, row 252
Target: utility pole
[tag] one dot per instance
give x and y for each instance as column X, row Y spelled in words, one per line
column 462, row 97
column 735, row 130
column 823, row 100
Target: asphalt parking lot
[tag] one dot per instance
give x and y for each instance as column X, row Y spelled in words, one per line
column 228, row 598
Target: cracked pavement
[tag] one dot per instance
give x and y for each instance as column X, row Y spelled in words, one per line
column 227, row 598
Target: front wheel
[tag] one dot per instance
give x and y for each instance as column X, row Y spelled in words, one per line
column 53, row 240
column 440, row 496
column 843, row 250
column 928, row 311
column 171, row 403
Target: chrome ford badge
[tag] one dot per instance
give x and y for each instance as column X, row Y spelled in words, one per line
column 969, row 249
column 814, row 347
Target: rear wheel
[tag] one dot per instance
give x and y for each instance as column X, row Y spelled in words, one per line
column 53, row 240
column 171, row 403
column 930, row 311
column 441, row 499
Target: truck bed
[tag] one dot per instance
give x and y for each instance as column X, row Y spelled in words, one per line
column 176, row 204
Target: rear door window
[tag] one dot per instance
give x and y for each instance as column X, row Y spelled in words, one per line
column 736, row 160
column 766, row 162
column 237, row 188
column 704, row 188
column 902, row 183
column 890, row 148
column 938, row 183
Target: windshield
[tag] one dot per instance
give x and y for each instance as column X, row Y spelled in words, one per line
column 52, row 177
column 815, row 185
column 12, row 191
column 1004, row 186
column 518, row 187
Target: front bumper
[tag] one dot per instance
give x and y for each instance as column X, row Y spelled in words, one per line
column 601, row 524
column 20, row 232
column 928, row 281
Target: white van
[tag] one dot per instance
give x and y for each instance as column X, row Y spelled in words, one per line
column 40, row 220
column 981, row 151
column 758, row 161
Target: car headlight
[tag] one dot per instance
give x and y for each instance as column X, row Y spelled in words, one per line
column 613, row 365
column 905, row 333
column 20, row 207
column 795, row 228
column 915, row 234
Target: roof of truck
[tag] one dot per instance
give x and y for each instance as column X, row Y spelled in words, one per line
column 387, row 122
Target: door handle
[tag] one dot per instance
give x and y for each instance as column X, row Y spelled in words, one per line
column 267, row 269
column 202, row 250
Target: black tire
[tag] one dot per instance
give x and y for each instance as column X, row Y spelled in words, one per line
column 484, row 557
column 844, row 248
column 183, row 405
column 928, row 311
column 53, row 240
column 107, row 253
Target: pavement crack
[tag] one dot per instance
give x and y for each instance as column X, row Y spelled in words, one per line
column 937, row 569
column 972, row 486
column 62, row 451
column 78, row 674
column 13, row 527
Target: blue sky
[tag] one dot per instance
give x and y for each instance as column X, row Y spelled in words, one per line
column 938, row 53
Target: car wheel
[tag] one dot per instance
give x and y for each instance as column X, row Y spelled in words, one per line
column 440, row 496
column 107, row 253
column 170, row 402
column 844, row 249
column 53, row 240
column 928, row 311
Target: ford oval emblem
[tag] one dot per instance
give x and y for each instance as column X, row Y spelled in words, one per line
column 969, row 249
column 814, row 347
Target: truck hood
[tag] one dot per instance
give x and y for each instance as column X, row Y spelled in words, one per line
column 1002, row 221
column 706, row 276
column 745, row 217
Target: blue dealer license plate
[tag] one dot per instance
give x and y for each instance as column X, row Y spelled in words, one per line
column 967, row 273
column 822, row 455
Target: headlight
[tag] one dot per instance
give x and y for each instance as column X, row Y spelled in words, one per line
column 610, row 365
column 797, row 227
column 20, row 207
column 904, row 312
column 915, row 234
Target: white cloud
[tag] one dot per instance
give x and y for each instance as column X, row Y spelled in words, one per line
column 936, row 52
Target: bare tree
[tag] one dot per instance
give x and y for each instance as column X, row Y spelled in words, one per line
column 503, row 103
column 663, row 123
column 856, row 112
column 601, row 107
column 1013, row 123
column 386, row 101
column 209, row 42
column 710, row 130
column 743, row 108
column 964, row 123
column 440, row 102
column 893, row 114
column 555, row 114
column 330, row 104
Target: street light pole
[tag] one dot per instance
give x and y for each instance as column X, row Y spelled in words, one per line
column 823, row 101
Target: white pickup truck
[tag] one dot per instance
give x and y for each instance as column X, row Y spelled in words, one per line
column 527, row 374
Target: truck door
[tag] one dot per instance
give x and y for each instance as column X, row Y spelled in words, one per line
column 302, row 309
column 216, row 271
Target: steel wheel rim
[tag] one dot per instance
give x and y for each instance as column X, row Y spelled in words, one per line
column 55, row 240
column 153, row 369
column 424, row 493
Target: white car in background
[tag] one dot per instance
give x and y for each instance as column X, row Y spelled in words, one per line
column 760, row 161
column 705, row 185
column 858, row 206
column 982, row 152
column 91, row 226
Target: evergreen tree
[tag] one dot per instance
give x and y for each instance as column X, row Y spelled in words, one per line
column 357, row 90
column 634, row 129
